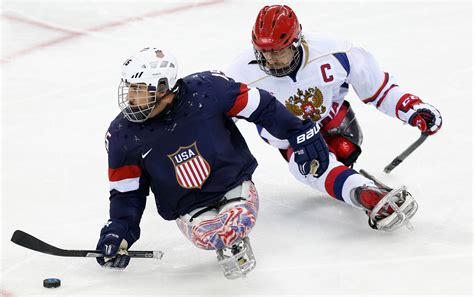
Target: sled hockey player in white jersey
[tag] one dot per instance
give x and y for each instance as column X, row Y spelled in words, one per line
column 311, row 75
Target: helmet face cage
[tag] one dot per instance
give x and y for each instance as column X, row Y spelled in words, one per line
column 140, row 113
column 147, row 77
column 136, row 113
column 262, row 63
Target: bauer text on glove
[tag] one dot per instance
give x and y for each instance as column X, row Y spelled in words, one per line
column 310, row 150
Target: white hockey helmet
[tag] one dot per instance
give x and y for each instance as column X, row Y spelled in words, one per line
column 152, row 68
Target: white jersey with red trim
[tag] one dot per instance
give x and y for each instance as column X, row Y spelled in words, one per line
column 317, row 90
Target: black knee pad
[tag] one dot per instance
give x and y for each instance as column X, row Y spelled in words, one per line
column 344, row 135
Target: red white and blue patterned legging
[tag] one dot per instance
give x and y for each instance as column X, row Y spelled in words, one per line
column 219, row 228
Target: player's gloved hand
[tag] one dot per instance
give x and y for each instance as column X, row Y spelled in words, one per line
column 113, row 245
column 310, row 149
column 413, row 111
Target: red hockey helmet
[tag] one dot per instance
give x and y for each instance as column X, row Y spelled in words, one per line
column 276, row 27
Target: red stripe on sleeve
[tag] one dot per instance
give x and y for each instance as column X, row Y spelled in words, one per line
column 385, row 80
column 124, row 172
column 331, row 178
column 384, row 95
column 240, row 102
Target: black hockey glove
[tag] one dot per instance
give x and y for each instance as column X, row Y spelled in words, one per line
column 310, row 149
column 113, row 245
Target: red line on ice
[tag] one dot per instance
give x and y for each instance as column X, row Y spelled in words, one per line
column 73, row 34
column 36, row 23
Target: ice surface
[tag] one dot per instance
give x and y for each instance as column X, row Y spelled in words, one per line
column 60, row 69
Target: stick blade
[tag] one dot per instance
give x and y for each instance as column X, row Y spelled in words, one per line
column 30, row 242
column 24, row 239
column 17, row 236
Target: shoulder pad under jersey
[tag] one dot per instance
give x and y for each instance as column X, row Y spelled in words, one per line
column 245, row 68
column 320, row 45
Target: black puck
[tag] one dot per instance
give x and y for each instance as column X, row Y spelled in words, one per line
column 51, row 283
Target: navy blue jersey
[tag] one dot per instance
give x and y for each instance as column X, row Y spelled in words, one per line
column 192, row 153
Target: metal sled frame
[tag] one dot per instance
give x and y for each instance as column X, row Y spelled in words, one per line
column 401, row 214
column 239, row 264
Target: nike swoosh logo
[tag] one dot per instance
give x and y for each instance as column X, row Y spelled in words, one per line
column 145, row 154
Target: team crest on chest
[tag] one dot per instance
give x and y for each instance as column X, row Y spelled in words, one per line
column 308, row 104
column 192, row 170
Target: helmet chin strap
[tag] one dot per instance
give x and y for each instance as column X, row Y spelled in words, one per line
column 174, row 91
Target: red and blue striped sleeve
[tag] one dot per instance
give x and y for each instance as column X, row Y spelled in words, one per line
column 129, row 186
column 238, row 100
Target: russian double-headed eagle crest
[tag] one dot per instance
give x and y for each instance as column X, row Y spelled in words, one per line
column 308, row 104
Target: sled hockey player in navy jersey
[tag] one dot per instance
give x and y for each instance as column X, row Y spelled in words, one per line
column 177, row 138
column 311, row 74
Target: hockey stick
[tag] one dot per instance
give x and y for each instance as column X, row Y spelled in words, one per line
column 30, row 242
column 405, row 153
column 377, row 182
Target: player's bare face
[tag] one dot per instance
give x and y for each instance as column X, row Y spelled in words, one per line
column 279, row 59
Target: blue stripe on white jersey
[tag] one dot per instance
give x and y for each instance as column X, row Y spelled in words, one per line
column 342, row 58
